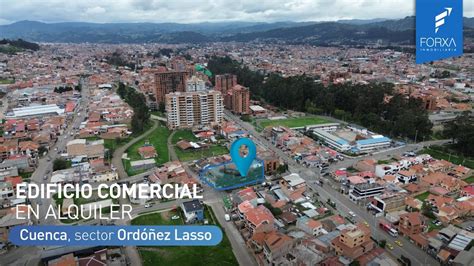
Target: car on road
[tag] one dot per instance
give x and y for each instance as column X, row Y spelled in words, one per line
column 148, row 205
column 389, row 246
column 351, row 213
column 227, row 217
column 398, row 242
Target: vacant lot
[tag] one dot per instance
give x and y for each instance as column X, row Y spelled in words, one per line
column 190, row 155
column 158, row 138
column 291, row 122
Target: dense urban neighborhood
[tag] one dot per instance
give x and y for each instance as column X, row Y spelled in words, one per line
column 364, row 158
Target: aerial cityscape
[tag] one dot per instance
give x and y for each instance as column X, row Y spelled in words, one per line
column 362, row 156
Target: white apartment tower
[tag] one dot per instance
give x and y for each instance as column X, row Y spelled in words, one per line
column 191, row 109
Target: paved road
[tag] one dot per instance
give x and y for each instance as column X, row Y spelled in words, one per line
column 344, row 205
column 31, row 255
column 117, row 157
column 45, row 164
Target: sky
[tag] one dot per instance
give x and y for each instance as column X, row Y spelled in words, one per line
column 193, row 11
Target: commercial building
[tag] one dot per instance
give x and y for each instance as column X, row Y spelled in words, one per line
column 167, row 82
column 353, row 242
column 365, row 190
column 225, row 82
column 331, row 140
column 189, row 109
column 35, row 110
column 376, row 142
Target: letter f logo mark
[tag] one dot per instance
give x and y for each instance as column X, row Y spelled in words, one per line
column 439, row 19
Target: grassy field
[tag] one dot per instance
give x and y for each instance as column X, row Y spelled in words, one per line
column 6, row 81
column 423, row 196
column 182, row 255
column 291, row 122
column 158, row 138
column 183, row 134
column 438, row 154
column 470, row 179
column 191, row 155
column 161, row 218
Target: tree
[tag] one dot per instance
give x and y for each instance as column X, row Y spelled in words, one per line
column 245, row 118
column 42, row 149
column 354, row 263
column 427, row 211
column 382, row 243
column 364, row 104
column 59, row 164
column 273, row 210
column 282, row 168
column 461, row 130
column 162, row 107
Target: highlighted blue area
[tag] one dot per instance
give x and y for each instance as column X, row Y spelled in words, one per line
column 226, row 176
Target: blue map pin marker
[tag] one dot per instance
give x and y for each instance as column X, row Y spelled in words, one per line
column 243, row 163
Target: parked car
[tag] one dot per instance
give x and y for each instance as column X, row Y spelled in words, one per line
column 227, row 217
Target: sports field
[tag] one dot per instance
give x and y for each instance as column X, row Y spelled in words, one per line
column 291, row 122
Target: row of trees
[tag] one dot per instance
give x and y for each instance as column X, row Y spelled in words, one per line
column 461, row 130
column 137, row 101
column 62, row 89
column 400, row 116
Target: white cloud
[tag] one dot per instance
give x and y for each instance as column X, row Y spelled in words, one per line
column 95, row 10
column 186, row 11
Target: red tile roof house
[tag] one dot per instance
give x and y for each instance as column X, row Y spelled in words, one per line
column 275, row 246
column 147, row 152
column 411, row 223
column 259, row 219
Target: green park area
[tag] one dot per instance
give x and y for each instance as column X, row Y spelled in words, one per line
column 441, row 154
column 220, row 254
column 214, row 149
column 158, row 138
column 7, row 81
column 291, row 122
column 469, row 180
column 423, row 196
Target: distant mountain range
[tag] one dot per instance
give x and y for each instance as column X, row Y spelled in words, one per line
column 345, row 31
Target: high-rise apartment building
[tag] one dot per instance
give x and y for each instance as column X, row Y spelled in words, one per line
column 240, row 100
column 225, row 82
column 190, row 109
column 167, row 82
